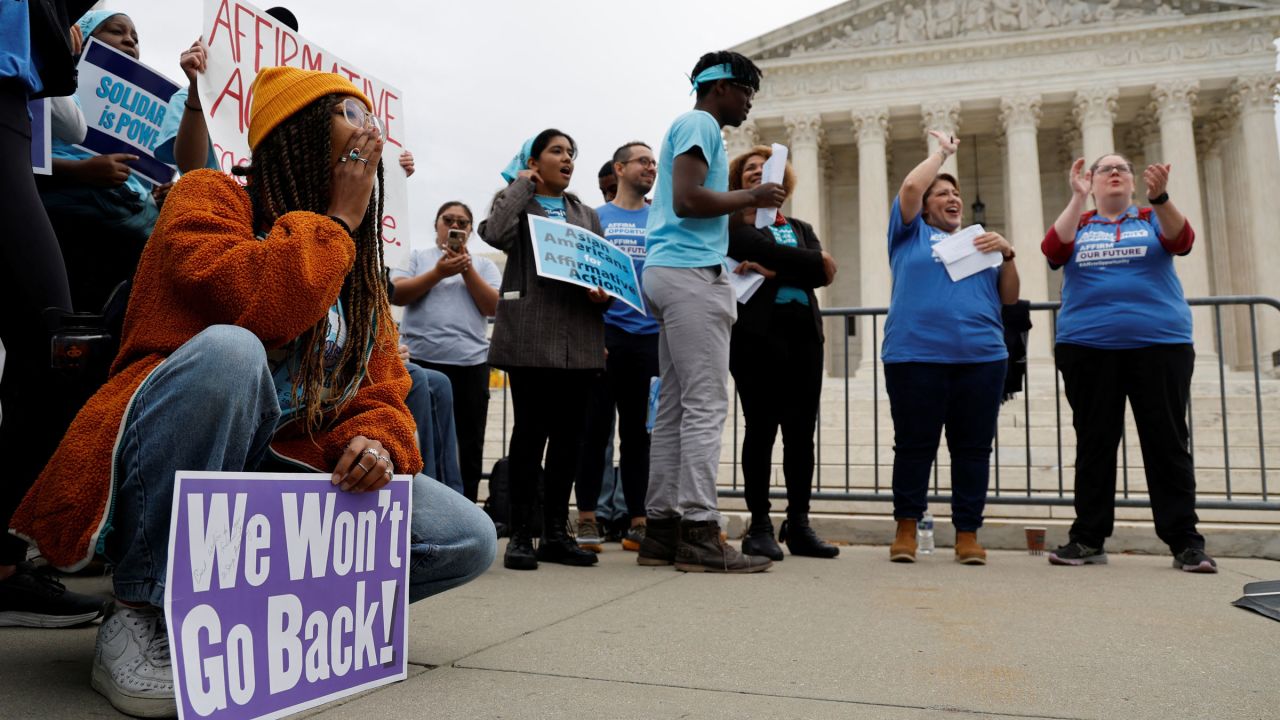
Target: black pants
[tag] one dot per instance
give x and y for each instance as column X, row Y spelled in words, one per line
column 550, row 409
column 470, row 415
column 33, row 279
column 1157, row 382
column 779, row 380
column 631, row 363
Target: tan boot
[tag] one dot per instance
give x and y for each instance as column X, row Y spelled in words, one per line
column 968, row 551
column 903, row 549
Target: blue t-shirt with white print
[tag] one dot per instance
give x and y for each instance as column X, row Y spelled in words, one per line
column 625, row 229
column 932, row 318
column 552, row 206
column 1119, row 289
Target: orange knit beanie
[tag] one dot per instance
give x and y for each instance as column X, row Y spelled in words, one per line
column 279, row 92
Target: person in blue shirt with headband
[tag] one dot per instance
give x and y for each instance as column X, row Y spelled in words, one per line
column 686, row 288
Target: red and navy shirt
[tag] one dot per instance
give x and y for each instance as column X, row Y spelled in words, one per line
column 1119, row 288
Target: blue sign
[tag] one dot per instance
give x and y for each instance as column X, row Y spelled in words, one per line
column 576, row 255
column 124, row 104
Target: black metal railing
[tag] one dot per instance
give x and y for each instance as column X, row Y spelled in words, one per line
column 1031, row 481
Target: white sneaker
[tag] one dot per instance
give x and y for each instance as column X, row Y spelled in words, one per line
column 131, row 662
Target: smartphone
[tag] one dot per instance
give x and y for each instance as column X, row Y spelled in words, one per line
column 457, row 239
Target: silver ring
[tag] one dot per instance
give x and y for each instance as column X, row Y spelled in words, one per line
column 363, row 160
column 344, row 158
column 354, row 154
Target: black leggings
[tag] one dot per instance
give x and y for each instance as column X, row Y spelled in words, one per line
column 34, row 278
column 550, row 408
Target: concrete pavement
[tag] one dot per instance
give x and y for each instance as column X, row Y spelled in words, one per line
column 856, row 637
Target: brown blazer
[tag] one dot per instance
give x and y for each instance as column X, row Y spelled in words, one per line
column 540, row 323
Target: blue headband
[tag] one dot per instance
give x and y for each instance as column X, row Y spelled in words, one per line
column 519, row 162
column 715, row 72
column 92, row 19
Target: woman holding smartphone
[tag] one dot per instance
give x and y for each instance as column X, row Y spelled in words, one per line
column 449, row 296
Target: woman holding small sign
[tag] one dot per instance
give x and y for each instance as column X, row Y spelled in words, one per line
column 101, row 210
column 944, row 355
column 549, row 337
column 1124, row 331
column 775, row 355
column 258, row 337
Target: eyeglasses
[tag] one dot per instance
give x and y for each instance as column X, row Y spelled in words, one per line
column 354, row 112
column 645, row 162
column 749, row 91
column 455, row 221
column 1125, row 169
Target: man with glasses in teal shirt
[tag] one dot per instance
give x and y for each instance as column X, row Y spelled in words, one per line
column 687, row 290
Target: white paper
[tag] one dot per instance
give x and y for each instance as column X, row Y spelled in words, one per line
column 775, row 169
column 744, row 285
column 962, row 258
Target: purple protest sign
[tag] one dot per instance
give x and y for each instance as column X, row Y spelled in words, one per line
column 284, row 593
column 41, row 137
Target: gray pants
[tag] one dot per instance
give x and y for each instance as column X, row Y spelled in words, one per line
column 696, row 308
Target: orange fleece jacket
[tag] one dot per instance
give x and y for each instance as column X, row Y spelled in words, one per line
column 204, row 266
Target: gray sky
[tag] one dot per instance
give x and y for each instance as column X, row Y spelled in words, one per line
column 481, row 76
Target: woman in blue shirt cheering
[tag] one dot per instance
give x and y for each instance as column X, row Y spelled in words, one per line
column 1124, row 331
column 944, row 356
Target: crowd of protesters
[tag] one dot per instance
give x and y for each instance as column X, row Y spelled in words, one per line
column 259, row 336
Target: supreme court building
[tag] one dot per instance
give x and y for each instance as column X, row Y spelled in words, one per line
column 1029, row 85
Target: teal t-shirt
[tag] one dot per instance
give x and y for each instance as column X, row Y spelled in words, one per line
column 673, row 241
column 169, row 131
column 784, row 234
column 552, row 206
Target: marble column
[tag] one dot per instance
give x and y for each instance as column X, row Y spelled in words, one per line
column 1020, row 116
column 944, row 117
column 1254, row 97
column 1146, row 135
column 1214, row 236
column 871, row 126
column 738, row 140
column 805, row 138
column 1175, row 101
column 1094, row 111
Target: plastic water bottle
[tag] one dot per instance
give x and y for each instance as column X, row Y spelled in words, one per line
column 924, row 534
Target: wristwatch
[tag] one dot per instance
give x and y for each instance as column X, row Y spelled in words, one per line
column 1160, row 199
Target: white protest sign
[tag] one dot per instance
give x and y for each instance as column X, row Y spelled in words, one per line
column 242, row 40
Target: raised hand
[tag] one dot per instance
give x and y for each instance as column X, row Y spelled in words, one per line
column 1157, row 179
column 949, row 144
column 1081, row 180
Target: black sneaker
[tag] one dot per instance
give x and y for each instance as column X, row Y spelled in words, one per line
column 33, row 598
column 1195, row 560
column 1074, row 553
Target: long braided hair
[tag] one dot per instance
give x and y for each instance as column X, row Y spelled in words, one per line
column 291, row 171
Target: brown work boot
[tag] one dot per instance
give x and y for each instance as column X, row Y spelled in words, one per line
column 659, row 544
column 903, row 549
column 703, row 548
column 968, row 551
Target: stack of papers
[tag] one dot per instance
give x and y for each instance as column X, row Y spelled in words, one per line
column 744, row 285
column 775, row 169
column 960, row 256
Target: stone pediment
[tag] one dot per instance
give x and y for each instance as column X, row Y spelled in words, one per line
column 868, row 25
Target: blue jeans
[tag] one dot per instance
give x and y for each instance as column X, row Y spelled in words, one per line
column 923, row 397
column 430, row 401
column 212, row 406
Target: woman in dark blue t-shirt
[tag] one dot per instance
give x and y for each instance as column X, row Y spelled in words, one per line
column 1124, row 331
column 944, row 356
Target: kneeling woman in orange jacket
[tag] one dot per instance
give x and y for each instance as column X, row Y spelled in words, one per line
column 258, row 337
